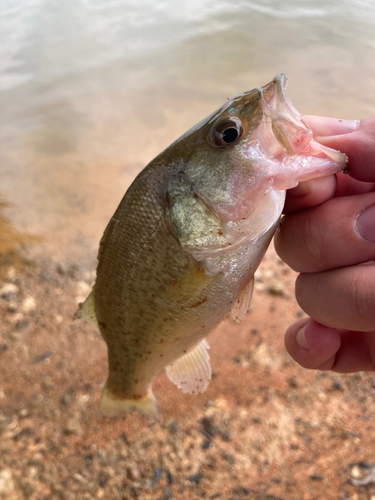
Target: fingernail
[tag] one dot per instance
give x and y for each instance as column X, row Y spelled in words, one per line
column 324, row 126
column 365, row 224
column 301, row 339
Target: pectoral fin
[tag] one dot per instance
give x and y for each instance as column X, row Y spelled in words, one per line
column 192, row 372
column 243, row 302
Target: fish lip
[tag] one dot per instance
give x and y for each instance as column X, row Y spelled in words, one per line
column 278, row 103
column 281, row 82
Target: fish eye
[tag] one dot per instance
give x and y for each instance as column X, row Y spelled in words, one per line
column 226, row 133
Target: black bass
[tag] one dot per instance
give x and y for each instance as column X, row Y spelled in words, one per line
column 181, row 250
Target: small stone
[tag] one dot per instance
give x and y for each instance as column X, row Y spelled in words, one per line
column 11, row 273
column 66, row 398
column 338, row 385
column 133, row 473
column 171, row 426
column 276, row 288
column 206, row 444
column 41, row 357
column 102, row 480
column 356, row 472
column 293, row 382
column 23, row 413
column 8, row 291
column 6, row 482
column 73, row 426
column 28, row 304
column 316, row 477
column 195, row 478
column 83, row 399
column 100, row 493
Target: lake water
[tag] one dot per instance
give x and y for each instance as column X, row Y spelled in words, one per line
column 92, row 90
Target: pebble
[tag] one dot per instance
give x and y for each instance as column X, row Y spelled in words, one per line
column 28, row 304
column 293, row 382
column 316, row 477
column 338, row 385
column 66, row 398
column 195, row 478
column 6, row 482
column 23, row 413
column 356, row 472
column 11, row 273
column 100, row 493
column 276, row 288
column 73, row 426
column 8, row 290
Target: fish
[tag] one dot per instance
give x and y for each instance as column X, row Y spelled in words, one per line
column 180, row 252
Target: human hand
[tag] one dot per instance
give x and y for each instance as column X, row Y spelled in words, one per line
column 328, row 235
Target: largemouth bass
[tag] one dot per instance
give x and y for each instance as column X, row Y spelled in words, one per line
column 181, row 250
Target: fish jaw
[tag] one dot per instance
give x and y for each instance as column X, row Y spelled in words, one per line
column 303, row 158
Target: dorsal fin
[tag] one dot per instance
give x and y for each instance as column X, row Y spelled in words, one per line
column 192, row 372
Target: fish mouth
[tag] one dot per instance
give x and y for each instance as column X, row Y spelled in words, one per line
column 291, row 134
column 277, row 101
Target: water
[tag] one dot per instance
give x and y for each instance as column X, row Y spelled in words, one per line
column 91, row 91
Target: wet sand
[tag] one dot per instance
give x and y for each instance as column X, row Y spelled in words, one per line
column 264, row 429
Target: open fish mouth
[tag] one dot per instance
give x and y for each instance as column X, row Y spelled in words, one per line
column 292, row 135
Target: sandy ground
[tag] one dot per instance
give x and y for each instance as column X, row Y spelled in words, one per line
column 264, row 429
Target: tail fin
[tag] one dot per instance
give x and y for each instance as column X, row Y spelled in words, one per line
column 111, row 406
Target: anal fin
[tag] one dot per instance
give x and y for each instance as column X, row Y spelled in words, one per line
column 192, row 372
column 112, row 406
column 242, row 302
